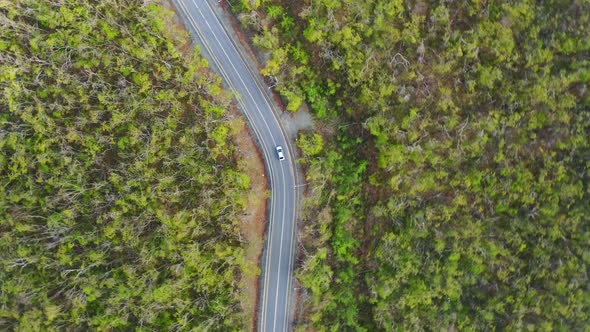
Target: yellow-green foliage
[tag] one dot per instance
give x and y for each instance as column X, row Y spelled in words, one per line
column 458, row 180
column 119, row 197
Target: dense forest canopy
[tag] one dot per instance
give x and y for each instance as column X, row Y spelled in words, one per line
column 119, row 193
column 451, row 191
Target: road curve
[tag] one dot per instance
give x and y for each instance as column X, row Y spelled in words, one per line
column 202, row 22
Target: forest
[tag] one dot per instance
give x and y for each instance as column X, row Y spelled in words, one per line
column 120, row 195
column 447, row 178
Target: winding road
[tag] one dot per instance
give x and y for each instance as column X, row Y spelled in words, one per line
column 224, row 58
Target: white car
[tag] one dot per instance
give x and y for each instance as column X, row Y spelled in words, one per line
column 280, row 152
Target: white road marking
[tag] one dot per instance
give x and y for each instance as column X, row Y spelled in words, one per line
column 280, row 255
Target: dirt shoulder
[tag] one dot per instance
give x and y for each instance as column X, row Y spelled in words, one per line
column 253, row 225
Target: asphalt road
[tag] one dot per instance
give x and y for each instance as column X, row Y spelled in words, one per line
column 201, row 21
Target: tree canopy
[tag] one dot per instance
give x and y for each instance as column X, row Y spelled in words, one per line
column 452, row 190
column 119, row 194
